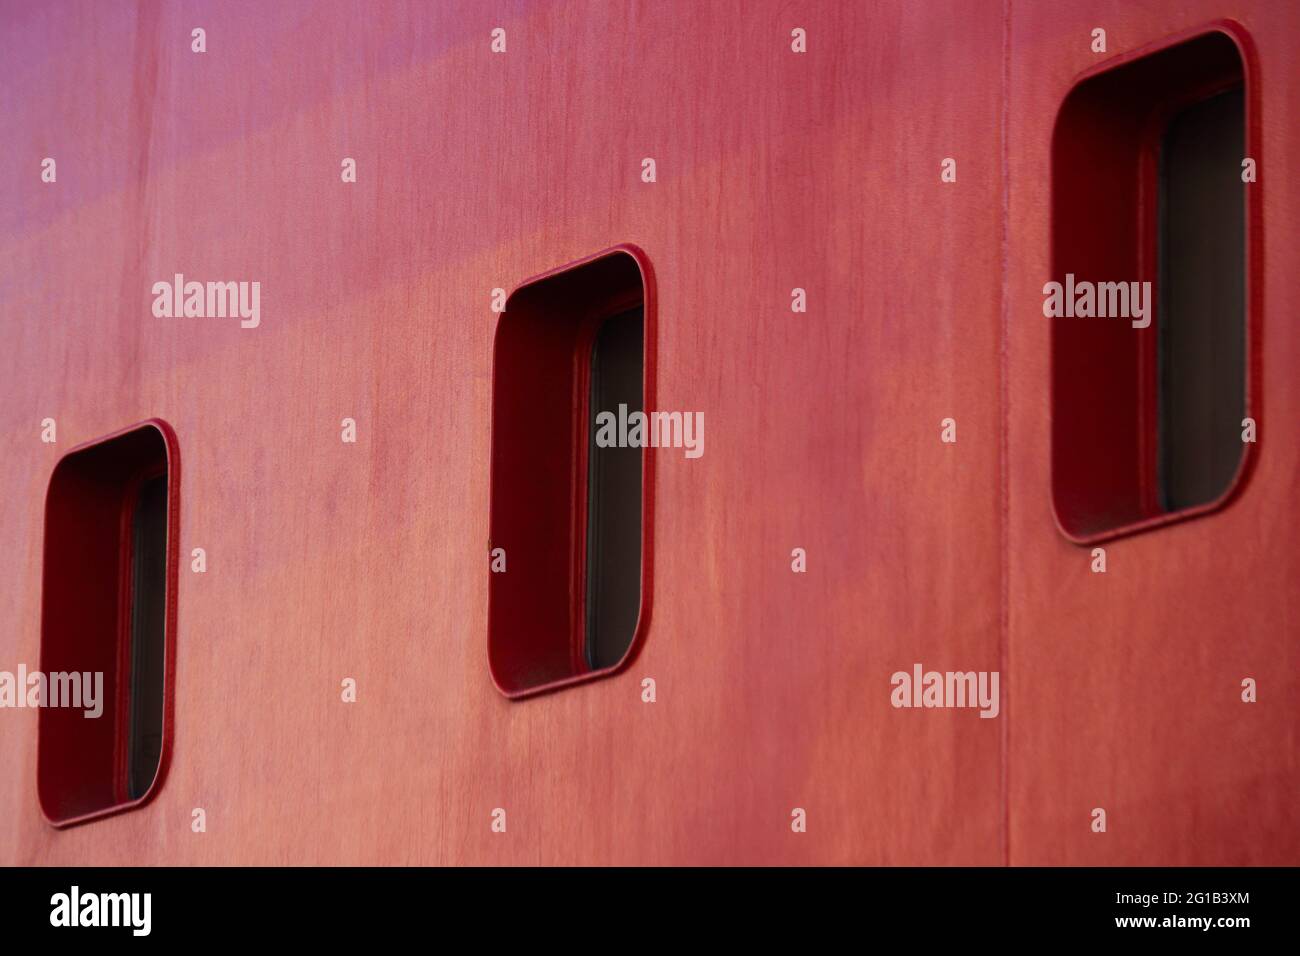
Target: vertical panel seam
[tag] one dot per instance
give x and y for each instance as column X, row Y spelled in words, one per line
column 1004, row 597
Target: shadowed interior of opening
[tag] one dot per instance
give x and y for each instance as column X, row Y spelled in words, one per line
column 613, row 593
column 1202, row 313
column 148, row 625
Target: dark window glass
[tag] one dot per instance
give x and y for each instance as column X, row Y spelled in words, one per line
column 1202, row 312
column 148, row 623
column 613, row 564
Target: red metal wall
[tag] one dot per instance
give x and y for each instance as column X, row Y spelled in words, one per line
column 775, row 170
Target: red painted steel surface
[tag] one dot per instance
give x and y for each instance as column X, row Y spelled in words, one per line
column 776, row 170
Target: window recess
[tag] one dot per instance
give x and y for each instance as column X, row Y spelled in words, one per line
column 572, row 516
column 108, row 616
column 1147, row 190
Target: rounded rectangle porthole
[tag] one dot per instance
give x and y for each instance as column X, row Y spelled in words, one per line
column 569, row 588
column 1152, row 293
column 108, row 621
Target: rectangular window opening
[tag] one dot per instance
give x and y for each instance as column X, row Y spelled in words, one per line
column 1149, row 206
column 568, row 587
column 106, row 612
